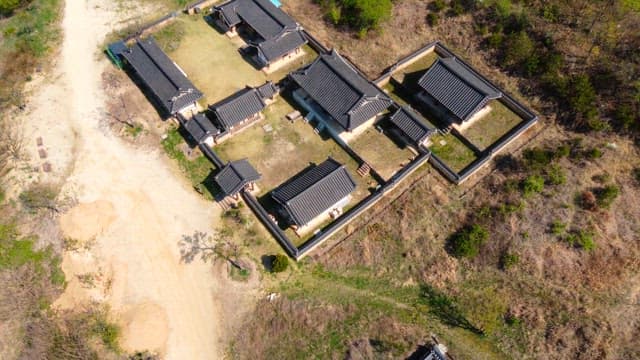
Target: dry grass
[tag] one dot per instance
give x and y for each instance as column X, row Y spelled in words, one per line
column 492, row 126
column 381, row 152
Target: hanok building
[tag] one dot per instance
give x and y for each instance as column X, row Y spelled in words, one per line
column 271, row 34
column 415, row 132
column 169, row 85
column 456, row 92
column 244, row 107
column 315, row 193
column 201, row 129
column 236, row 176
column 337, row 95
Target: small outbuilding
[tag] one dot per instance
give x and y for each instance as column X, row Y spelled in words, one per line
column 452, row 85
column 315, row 193
column 236, row 176
column 243, row 107
column 414, row 130
column 173, row 91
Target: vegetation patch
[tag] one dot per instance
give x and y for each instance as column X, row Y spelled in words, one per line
column 362, row 15
column 466, row 242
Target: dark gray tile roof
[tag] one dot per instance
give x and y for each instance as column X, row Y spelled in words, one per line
column 314, row 190
column 261, row 15
column 162, row 76
column 276, row 47
column 268, row 90
column 199, row 127
column 340, row 90
column 235, row 176
column 410, row 124
column 238, row 107
column 457, row 87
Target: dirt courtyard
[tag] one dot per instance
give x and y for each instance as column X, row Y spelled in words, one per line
column 132, row 208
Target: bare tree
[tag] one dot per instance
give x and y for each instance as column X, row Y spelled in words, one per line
column 11, row 145
column 209, row 247
column 122, row 114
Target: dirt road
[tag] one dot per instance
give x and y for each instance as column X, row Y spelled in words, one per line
column 132, row 207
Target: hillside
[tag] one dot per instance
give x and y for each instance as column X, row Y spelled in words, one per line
column 557, row 276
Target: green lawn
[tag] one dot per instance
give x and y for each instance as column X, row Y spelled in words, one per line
column 491, row 127
column 212, row 61
column 452, row 151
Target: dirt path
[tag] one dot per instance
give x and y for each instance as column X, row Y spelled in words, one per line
column 132, row 209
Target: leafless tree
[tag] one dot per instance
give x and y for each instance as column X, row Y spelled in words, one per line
column 11, row 145
column 120, row 113
column 209, row 247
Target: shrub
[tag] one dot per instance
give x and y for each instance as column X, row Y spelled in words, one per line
column 495, row 40
column 558, row 227
column 457, row 8
column 466, row 243
column 606, row 195
column 8, row 6
column 594, row 153
column 366, row 14
column 636, row 174
column 39, row 196
column 518, row 48
column 582, row 97
column 587, row 200
column 537, row 159
column 279, row 263
column 502, row 8
column 555, row 175
column 562, row 151
column 509, row 260
column 446, row 308
column 582, row 239
column 532, row 184
column 433, row 19
column 438, row 5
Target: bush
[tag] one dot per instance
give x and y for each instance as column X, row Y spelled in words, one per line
column 588, row 200
column 594, row 153
column 366, row 14
column 562, row 151
column 457, row 8
column 39, row 196
column 582, row 239
column 636, row 174
column 8, row 6
column 538, row 159
column 555, row 175
column 606, row 195
column 466, row 243
column 279, row 263
column 532, row 184
column 438, row 5
column 582, row 97
column 433, row 19
column 558, row 227
column 509, row 260
column 518, row 48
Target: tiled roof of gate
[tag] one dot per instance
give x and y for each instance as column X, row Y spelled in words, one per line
column 163, row 77
column 238, row 107
column 199, row 127
column 235, row 176
column 340, row 90
column 276, row 47
column 405, row 119
column 267, row 90
column 314, row 190
column 457, row 87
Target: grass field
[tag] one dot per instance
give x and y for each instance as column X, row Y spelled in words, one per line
column 382, row 153
column 492, row 126
column 212, row 61
column 452, row 151
column 423, row 63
